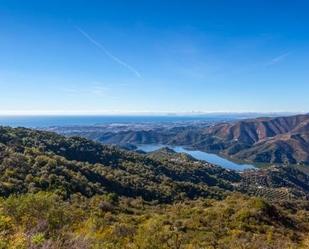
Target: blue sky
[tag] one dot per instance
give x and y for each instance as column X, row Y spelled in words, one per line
column 153, row 56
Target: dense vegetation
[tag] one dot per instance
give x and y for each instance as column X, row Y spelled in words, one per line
column 59, row 192
column 31, row 161
column 44, row 220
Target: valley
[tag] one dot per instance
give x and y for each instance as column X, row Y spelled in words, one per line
column 279, row 140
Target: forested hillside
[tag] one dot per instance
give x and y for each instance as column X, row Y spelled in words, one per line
column 59, row 192
column 32, row 160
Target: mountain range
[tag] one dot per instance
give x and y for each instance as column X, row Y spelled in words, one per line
column 282, row 140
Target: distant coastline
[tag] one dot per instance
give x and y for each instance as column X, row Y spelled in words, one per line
column 41, row 121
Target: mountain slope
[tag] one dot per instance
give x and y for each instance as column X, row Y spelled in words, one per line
column 32, row 160
column 271, row 140
column 253, row 130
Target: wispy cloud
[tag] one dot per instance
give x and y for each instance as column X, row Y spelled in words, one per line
column 278, row 59
column 109, row 54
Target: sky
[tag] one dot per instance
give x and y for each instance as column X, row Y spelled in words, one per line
column 106, row 57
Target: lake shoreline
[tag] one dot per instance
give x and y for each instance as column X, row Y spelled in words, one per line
column 199, row 155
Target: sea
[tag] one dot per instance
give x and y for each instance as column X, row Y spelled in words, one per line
column 49, row 121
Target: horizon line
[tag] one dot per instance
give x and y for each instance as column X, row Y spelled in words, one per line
column 140, row 113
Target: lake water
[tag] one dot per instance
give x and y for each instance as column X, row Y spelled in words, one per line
column 200, row 155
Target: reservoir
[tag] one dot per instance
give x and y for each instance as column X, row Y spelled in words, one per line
column 200, row 155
